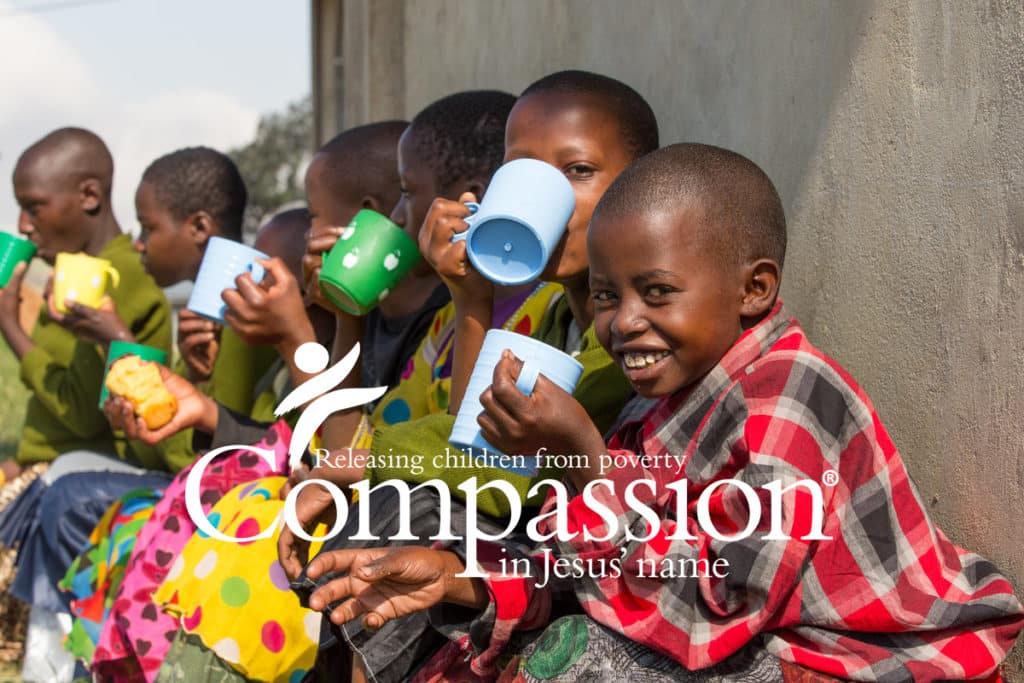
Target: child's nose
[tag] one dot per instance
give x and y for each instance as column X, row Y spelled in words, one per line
column 398, row 213
column 25, row 226
column 628, row 321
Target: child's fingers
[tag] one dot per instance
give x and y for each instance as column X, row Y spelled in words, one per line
column 489, row 430
column 503, row 384
column 318, row 245
column 333, row 561
column 195, row 339
column 496, row 413
column 238, row 307
column 347, row 611
column 249, row 290
column 193, row 324
column 51, row 310
column 331, row 592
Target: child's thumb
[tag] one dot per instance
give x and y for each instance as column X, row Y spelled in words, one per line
column 376, row 570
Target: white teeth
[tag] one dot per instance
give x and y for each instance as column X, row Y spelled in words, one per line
column 642, row 360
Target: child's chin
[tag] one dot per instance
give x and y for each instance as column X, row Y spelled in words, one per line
column 652, row 391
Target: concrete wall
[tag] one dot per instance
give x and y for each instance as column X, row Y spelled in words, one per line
column 893, row 131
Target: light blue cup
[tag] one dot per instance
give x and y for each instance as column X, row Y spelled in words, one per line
column 520, row 220
column 223, row 261
column 538, row 359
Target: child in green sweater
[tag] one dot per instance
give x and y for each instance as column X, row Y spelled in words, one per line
column 62, row 184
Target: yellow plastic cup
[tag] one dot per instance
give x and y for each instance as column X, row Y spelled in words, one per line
column 83, row 279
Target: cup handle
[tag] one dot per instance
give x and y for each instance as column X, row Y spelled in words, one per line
column 461, row 236
column 256, row 272
column 115, row 277
column 527, row 379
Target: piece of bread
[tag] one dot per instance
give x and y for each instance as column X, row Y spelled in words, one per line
column 139, row 382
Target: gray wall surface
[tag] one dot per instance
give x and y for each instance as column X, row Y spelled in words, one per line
column 893, row 131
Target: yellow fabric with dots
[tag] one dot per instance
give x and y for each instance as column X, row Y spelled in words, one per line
column 426, row 381
column 236, row 598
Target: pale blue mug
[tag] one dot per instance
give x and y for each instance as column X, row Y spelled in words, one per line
column 538, row 359
column 223, row 261
column 515, row 228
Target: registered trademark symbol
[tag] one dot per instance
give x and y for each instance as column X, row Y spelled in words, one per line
column 830, row 478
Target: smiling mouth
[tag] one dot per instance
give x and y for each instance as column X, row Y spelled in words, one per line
column 640, row 361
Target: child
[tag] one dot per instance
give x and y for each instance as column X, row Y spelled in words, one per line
column 62, row 184
column 185, row 198
column 686, row 253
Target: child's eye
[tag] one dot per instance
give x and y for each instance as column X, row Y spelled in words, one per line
column 657, row 291
column 603, row 295
column 579, row 171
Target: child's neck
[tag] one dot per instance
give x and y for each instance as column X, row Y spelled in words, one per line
column 410, row 295
column 104, row 230
column 577, row 293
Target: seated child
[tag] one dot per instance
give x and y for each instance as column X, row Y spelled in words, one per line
column 185, row 198
column 854, row 580
column 62, row 184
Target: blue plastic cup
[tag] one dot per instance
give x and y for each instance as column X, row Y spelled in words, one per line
column 538, row 359
column 223, row 261
column 516, row 227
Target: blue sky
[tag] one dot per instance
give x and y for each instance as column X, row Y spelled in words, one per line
column 148, row 75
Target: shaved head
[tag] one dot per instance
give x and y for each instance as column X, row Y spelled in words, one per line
column 67, row 157
column 284, row 236
column 363, row 161
column 740, row 213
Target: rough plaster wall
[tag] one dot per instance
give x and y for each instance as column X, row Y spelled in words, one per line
column 893, row 131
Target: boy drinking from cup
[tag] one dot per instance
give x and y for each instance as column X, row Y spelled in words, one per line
column 185, row 198
column 762, row 457
column 62, row 184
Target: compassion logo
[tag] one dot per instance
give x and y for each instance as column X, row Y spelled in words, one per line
column 552, row 525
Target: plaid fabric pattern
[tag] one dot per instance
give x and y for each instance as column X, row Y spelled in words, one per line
column 888, row 598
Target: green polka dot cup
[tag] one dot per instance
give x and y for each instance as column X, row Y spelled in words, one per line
column 371, row 256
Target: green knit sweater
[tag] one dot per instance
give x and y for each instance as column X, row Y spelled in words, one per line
column 64, row 373
column 602, row 390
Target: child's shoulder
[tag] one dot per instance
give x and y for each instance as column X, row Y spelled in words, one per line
column 796, row 376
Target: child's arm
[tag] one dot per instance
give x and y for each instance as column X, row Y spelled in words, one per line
column 272, row 312
column 472, row 294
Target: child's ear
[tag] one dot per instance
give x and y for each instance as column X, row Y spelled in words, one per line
column 475, row 185
column 91, row 195
column 761, row 287
column 201, row 227
column 371, row 202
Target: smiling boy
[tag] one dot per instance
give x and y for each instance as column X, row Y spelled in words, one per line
column 686, row 252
